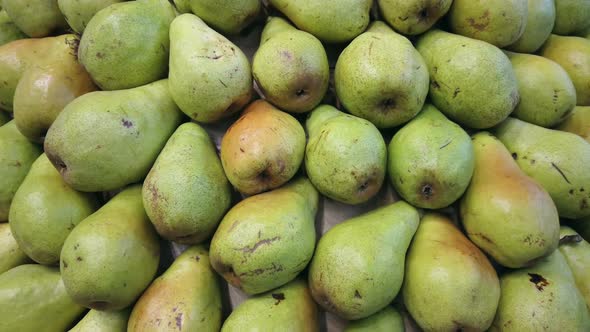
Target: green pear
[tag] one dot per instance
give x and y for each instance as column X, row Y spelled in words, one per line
column 578, row 122
column 332, row 21
column 105, row 140
column 126, row 44
column 36, row 18
column 345, row 157
column 471, row 82
column 358, row 266
column 547, row 94
column 111, row 256
column 17, row 154
column 505, row 212
column 227, row 16
column 381, row 77
column 288, row 308
column 183, row 6
column 186, row 297
column 203, row 58
column 415, row 16
column 571, row 16
column 543, row 297
column 430, row 160
column 449, row 283
column 266, row 240
column 386, row 320
column 577, row 254
column 498, row 22
column 79, row 12
column 103, row 321
column 555, row 159
column 573, row 54
column 44, row 211
column 10, row 253
column 538, row 27
column 300, row 59
column 263, row 149
column 33, row 298
column 8, row 30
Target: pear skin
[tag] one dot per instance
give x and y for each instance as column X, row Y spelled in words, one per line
column 578, row 122
column 10, row 253
column 14, row 60
column 79, row 12
column 386, row 320
column 413, row 17
column 571, row 16
column 103, row 321
column 8, row 30
column 226, row 16
column 577, row 254
column 36, row 18
column 538, row 27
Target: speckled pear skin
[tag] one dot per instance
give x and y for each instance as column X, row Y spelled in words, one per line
column 8, row 30
column 266, row 240
column 187, row 297
column 543, row 297
column 103, row 321
column 571, row 16
column 79, row 12
column 36, row 18
column 126, row 45
column 578, row 122
column 573, row 54
column 289, row 307
column 381, row 77
column 431, row 160
column 386, row 320
column 340, row 20
column 126, row 268
column 10, row 254
column 538, row 27
column 576, row 252
column 415, row 16
column 471, row 82
column 227, row 16
column 105, row 140
column 201, row 57
column 33, row 298
column 186, row 193
column 345, row 156
column 354, row 277
column 547, row 94
column 556, row 160
column 302, row 61
column 263, row 149
column 505, row 212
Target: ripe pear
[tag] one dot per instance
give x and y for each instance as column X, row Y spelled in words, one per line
column 8, row 30
column 557, row 160
column 103, row 321
column 543, row 297
column 571, row 16
column 105, row 140
column 79, row 12
column 578, row 122
column 263, row 149
column 226, row 16
column 332, row 21
column 505, row 212
column 449, row 283
column 577, row 254
column 126, row 44
column 498, row 22
column 381, row 77
column 471, row 82
column 36, row 18
column 430, row 160
column 547, row 94
column 186, row 193
column 345, row 157
column 266, row 240
column 288, row 308
column 538, row 27
column 415, row 16
column 573, row 54
column 358, row 267
column 186, row 297
column 10, row 253
column 386, row 320
column 210, row 77
column 111, row 257
column 300, row 59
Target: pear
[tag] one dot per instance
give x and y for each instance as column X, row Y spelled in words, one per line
column 36, row 18
column 332, row 21
column 33, row 298
column 430, row 160
column 498, row 22
column 8, row 30
column 571, row 16
column 547, row 94
column 183, row 6
column 302, row 62
column 266, row 240
column 538, row 27
column 578, row 122
column 15, row 58
column 125, row 45
column 449, row 283
column 79, row 12
column 386, row 320
column 210, row 77
column 543, row 297
column 358, row 266
column 105, row 140
column 263, row 149
column 557, row 160
column 227, row 16
column 10, row 253
column 116, row 243
column 505, row 212
column 415, row 16
column 345, row 157
column 471, row 82
column 103, row 321
column 577, row 254
column 17, row 154
column 288, row 308
column 573, row 54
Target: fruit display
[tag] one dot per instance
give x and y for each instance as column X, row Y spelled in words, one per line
column 294, row 165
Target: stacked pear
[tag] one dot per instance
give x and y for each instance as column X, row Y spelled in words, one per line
column 36, row 18
column 386, row 320
column 226, row 16
column 107, row 321
column 79, row 12
column 576, row 251
column 9, row 31
column 538, row 27
column 413, row 17
column 578, row 122
column 10, row 253
column 571, row 16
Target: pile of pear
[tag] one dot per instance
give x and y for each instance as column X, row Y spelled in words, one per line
column 457, row 131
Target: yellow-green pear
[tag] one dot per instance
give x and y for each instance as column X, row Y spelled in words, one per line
column 79, row 12
column 36, row 18
column 8, row 30
column 578, row 122
column 103, row 321
column 415, row 16
column 226, row 16
column 539, row 24
column 576, row 251
column 571, row 16
column 386, row 320
column 10, row 253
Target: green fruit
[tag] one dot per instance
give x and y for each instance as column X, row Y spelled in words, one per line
column 577, row 254
column 183, row 6
column 386, row 320
column 36, row 18
column 10, row 254
column 538, row 27
column 415, row 16
column 8, row 30
column 103, row 321
column 79, row 12
column 226, row 16
column 578, row 122
column 571, row 16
